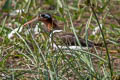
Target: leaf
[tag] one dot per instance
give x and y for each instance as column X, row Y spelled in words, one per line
column 7, row 6
column 60, row 18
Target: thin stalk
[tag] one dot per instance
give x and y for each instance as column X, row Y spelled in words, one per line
column 105, row 44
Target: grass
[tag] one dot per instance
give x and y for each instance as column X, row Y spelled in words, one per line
column 31, row 57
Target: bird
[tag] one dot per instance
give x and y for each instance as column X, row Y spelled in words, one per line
column 59, row 36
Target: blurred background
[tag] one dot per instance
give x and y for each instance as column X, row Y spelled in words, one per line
column 21, row 58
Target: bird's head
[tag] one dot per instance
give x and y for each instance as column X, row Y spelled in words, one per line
column 46, row 18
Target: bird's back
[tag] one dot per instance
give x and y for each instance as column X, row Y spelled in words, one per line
column 69, row 39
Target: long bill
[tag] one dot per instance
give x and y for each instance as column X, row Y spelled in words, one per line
column 31, row 21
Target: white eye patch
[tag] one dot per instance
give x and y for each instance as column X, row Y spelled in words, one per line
column 45, row 16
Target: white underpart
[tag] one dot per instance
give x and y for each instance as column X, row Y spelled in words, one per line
column 96, row 30
column 57, row 47
column 69, row 47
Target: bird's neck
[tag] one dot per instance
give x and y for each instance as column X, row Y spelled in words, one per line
column 51, row 26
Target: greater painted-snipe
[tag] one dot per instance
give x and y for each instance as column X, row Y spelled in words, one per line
column 65, row 38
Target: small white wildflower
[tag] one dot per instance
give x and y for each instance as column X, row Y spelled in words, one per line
column 16, row 12
column 12, row 33
column 37, row 29
column 96, row 30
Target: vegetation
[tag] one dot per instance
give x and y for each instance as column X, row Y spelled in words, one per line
column 31, row 57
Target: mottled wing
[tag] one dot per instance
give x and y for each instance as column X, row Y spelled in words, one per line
column 70, row 39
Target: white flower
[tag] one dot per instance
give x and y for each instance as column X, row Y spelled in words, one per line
column 96, row 30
